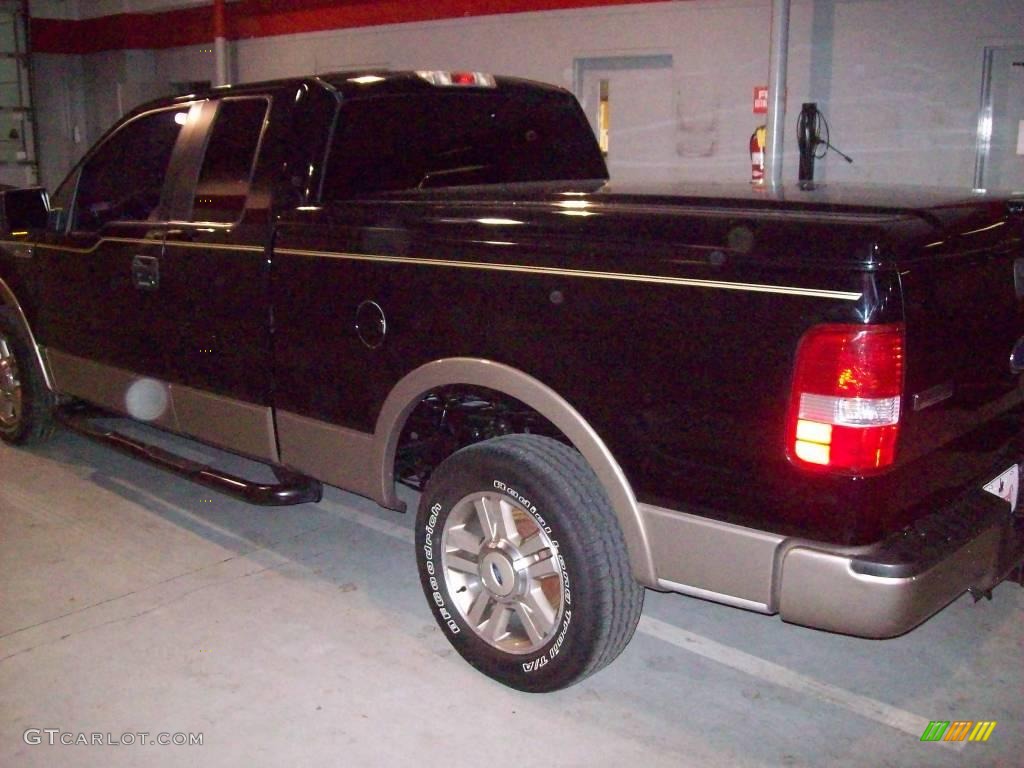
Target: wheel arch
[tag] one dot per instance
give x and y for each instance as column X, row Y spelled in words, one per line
column 9, row 300
column 410, row 390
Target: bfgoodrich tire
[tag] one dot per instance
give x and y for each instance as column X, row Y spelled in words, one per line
column 523, row 563
column 26, row 405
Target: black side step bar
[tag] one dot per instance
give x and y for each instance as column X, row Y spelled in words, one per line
column 291, row 488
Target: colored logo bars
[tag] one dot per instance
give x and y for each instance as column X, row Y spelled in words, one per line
column 958, row 730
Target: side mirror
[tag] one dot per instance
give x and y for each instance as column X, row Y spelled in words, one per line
column 23, row 210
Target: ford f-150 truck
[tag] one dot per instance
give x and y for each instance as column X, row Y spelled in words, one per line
column 802, row 401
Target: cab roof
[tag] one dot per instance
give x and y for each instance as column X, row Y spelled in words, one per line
column 364, row 83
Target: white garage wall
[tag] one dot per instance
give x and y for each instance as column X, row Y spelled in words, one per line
column 898, row 80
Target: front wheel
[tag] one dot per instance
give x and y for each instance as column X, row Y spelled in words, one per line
column 524, row 564
column 26, row 404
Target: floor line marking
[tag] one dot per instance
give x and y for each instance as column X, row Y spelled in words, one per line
column 393, row 530
column 776, row 674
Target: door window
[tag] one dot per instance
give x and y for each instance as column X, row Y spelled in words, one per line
column 124, row 177
column 227, row 168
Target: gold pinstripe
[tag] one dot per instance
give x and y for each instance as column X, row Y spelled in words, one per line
column 517, row 268
column 621, row 276
column 140, row 241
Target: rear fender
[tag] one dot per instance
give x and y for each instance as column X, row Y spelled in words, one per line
column 409, row 392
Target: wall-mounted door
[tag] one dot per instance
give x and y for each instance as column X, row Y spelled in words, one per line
column 1001, row 125
column 630, row 102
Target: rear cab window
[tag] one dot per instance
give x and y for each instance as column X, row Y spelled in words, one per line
column 458, row 137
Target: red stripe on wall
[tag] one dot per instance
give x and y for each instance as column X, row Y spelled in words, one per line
column 267, row 18
column 169, row 29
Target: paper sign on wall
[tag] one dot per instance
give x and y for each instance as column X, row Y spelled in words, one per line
column 760, row 99
column 1020, row 138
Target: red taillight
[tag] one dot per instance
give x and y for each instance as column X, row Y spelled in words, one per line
column 844, row 410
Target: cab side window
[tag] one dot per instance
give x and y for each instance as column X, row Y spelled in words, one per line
column 230, row 154
column 124, row 177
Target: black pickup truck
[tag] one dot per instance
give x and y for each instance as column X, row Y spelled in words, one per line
column 804, row 402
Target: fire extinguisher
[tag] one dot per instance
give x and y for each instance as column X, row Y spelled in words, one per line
column 757, row 141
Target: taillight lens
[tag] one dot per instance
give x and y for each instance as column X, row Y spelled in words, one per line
column 844, row 410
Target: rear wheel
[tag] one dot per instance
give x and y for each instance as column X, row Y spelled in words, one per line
column 26, row 405
column 523, row 562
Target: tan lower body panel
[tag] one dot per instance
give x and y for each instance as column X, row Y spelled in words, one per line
column 230, row 424
column 712, row 560
column 341, row 457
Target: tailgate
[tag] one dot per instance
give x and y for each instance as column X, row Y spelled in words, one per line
column 963, row 293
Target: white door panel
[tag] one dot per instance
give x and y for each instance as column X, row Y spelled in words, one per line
column 1001, row 128
column 640, row 114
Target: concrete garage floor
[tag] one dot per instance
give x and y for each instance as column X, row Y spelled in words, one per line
column 132, row 601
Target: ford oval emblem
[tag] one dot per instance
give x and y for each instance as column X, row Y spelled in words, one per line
column 1017, row 356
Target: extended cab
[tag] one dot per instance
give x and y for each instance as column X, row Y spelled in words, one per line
column 803, row 402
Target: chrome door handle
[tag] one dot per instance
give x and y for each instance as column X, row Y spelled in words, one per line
column 146, row 273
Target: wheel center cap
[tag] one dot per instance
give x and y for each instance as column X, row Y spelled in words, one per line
column 497, row 574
